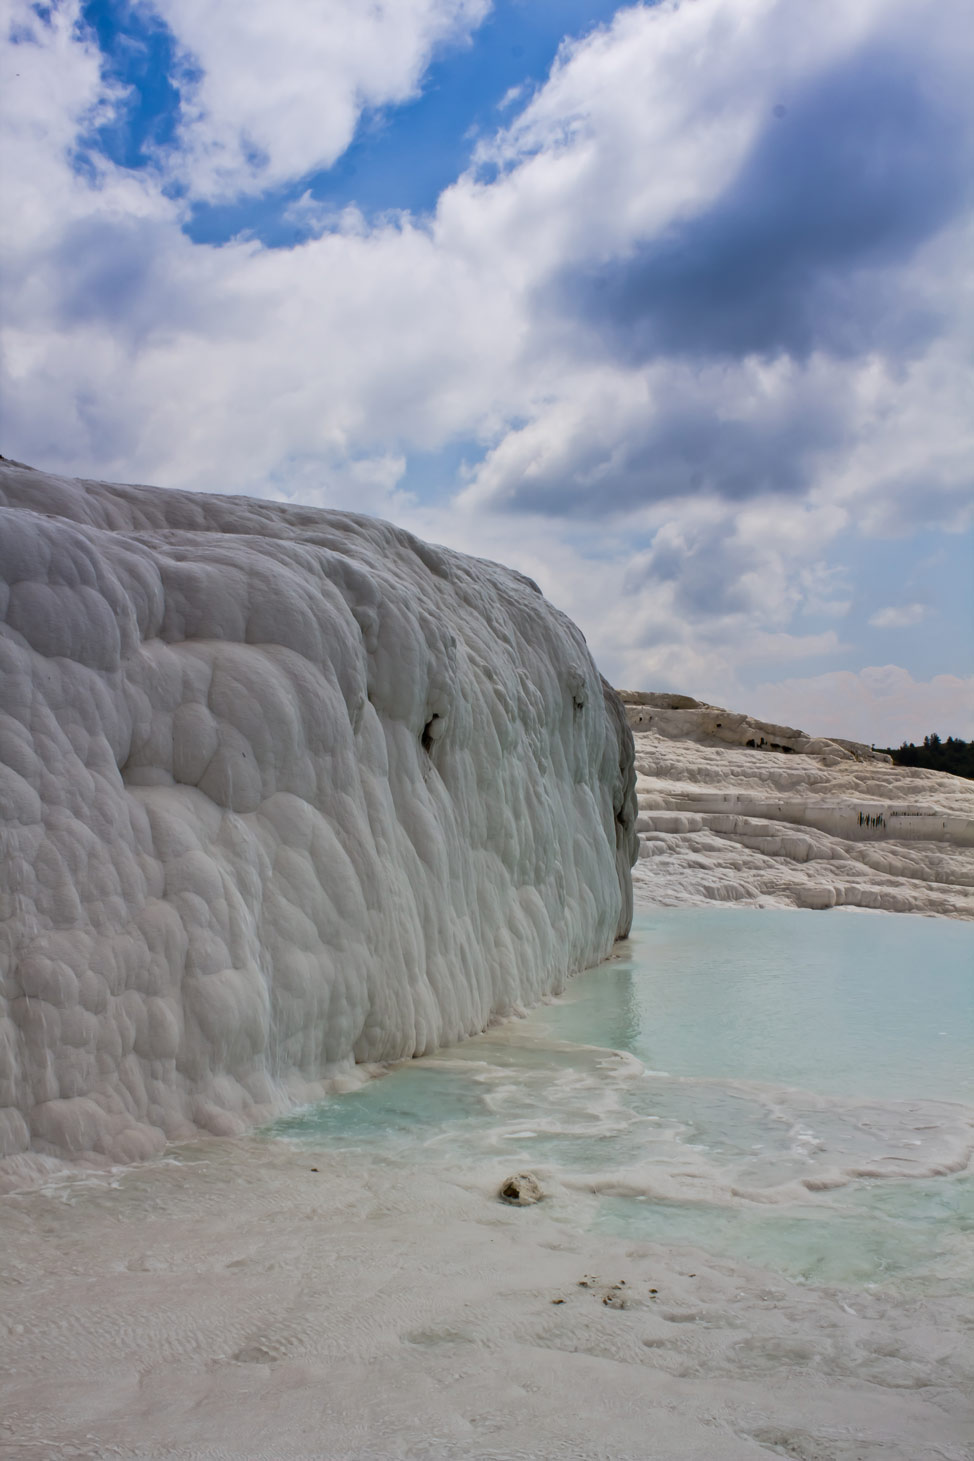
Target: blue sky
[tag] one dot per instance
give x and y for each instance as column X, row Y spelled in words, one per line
column 668, row 305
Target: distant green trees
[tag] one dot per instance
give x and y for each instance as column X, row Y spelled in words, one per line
column 953, row 755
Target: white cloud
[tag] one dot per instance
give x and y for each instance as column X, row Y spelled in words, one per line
column 645, row 120
column 898, row 617
column 612, row 438
column 371, row 340
column 511, row 95
column 34, row 53
column 281, row 87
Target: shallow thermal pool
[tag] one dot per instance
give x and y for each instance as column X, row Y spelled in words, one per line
column 791, row 1088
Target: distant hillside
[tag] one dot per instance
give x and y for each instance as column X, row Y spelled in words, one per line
column 679, row 717
column 738, row 810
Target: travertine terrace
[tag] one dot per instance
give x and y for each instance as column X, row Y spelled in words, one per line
column 733, row 809
column 283, row 790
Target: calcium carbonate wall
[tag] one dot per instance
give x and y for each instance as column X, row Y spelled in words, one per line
column 281, row 790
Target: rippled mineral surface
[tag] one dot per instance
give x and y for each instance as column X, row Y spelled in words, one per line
column 283, row 790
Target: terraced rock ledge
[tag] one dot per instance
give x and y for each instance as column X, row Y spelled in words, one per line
column 733, row 809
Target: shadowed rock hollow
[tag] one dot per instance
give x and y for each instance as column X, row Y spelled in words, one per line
column 282, row 790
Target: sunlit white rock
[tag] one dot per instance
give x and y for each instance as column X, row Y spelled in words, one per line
column 282, row 790
column 798, row 822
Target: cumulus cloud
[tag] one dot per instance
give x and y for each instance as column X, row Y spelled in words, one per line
column 272, row 93
column 772, row 254
column 799, row 252
column 661, row 123
column 615, row 439
column 703, row 305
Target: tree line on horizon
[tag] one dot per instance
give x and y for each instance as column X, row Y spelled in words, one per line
column 952, row 755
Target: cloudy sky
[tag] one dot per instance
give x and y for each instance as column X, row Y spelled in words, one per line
column 669, row 306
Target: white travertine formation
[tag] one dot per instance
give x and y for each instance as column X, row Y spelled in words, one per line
column 280, row 790
column 679, row 717
column 731, row 823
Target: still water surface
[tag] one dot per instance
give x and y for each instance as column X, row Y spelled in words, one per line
column 791, row 1088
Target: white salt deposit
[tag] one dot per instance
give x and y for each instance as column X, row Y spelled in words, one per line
column 285, row 789
column 249, row 1301
column 737, row 810
column 282, row 790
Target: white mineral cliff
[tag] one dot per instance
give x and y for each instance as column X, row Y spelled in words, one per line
column 281, row 790
column 732, row 809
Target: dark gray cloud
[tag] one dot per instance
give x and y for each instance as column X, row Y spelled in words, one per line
column 107, row 270
column 803, row 250
column 707, row 573
column 808, row 259
column 691, row 444
column 125, row 273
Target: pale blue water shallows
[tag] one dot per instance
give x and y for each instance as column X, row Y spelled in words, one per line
column 794, row 1089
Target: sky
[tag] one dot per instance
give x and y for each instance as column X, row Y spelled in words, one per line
column 669, row 306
